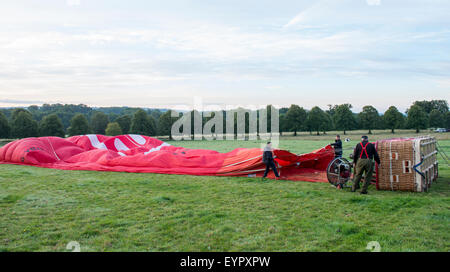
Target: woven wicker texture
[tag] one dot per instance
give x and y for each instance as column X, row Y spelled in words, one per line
column 407, row 164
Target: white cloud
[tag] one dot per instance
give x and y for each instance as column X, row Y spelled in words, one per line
column 373, row 2
column 305, row 14
column 213, row 42
column 77, row 58
column 46, row 64
column 72, row 3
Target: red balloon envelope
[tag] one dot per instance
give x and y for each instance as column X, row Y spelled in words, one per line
column 142, row 154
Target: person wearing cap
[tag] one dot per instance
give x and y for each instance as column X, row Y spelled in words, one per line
column 268, row 160
column 337, row 147
column 363, row 157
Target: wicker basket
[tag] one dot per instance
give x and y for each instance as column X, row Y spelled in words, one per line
column 407, row 164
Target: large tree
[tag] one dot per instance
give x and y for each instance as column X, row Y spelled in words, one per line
column 99, row 121
column 428, row 106
column 283, row 123
column 124, row 122
column 51, row 125
column 417, row 118
column 165, row 123
column 369, row 118
column 327, row 125
column 112, row 117
column 269, row 109
column 296, row 118
column 393, row 119
column 5, row 128
column 24, row 126
column 155, row 114
column 447, row 119
column 142, row 124
column 317, row 120
column 436, row 119
column 113, row 129
column 79, row 125
column 283, row 120
column 154, row 125
column 15, row 113
column 343, row 117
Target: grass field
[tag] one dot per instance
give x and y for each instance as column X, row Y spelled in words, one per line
column 44, row 209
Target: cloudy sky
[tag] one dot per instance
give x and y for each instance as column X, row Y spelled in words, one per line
column 240, row 52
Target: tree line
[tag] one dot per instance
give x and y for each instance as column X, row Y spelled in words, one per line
column 420, row 115
column 62, row 120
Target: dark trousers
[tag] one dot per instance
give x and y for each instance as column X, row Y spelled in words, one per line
column 271, row 164
column 363, row 166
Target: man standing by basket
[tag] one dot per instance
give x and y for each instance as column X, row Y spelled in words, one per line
column 363, row 157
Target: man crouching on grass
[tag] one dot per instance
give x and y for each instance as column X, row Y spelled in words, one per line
column 268, row 160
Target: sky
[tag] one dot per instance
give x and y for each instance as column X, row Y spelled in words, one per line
column 249, row 52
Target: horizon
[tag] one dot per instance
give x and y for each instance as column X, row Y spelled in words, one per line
column 152, row 55
column 183, row 108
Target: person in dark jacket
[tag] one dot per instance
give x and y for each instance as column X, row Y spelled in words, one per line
column 363, row 157
column 268, row 160
column 337, row 147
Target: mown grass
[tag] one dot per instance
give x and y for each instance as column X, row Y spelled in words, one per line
column 44, row 209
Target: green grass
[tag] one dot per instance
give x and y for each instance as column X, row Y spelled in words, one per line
column 44, row 209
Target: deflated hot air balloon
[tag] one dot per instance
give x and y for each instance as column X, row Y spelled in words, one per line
column 142, row 154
